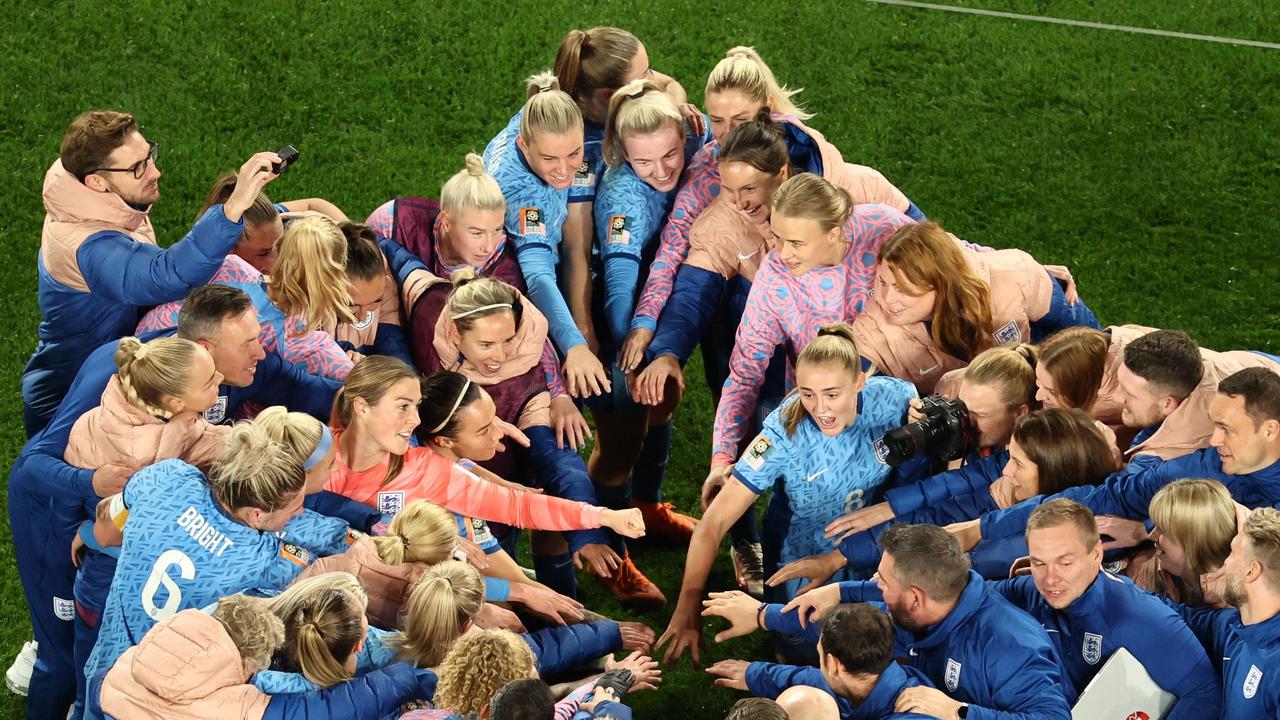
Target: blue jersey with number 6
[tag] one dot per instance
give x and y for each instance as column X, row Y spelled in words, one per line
column 819, row 477
column 181, row 550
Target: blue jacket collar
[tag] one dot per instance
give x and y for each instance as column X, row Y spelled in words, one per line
column 971, row 599
column 880, row 702
column 1262, row 634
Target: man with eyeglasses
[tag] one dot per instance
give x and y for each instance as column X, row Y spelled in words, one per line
column 99, row 262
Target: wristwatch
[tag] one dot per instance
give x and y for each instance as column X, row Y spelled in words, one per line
column 962, row 711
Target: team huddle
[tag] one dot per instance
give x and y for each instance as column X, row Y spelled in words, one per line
column 281, row 468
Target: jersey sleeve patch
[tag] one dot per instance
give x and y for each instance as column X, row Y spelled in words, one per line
column 619, row 230
column 584, row 177
column 294, row 554
column 760, row 450
column 532, row 222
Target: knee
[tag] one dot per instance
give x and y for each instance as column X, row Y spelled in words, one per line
column 810, row 703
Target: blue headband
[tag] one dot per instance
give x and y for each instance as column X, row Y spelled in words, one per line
column 322, row 448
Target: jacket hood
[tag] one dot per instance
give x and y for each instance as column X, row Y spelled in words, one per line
column 530, row 339
column 186, row 657
column 68, row 200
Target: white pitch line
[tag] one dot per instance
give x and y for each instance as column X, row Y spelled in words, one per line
column 1080, row 23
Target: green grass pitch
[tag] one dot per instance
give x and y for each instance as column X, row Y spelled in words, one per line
column 1149, row 165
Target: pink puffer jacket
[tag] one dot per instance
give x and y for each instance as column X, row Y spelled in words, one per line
column 185, row 667
column 119, row 432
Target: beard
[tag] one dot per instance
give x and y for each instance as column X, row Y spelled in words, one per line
column 140, row 197
column 1233, row 593
column 902, row 618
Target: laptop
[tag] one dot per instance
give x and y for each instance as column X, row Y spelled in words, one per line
column 1122, row 690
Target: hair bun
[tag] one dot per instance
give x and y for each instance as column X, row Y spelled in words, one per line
column 462, row 276
column 474, row 165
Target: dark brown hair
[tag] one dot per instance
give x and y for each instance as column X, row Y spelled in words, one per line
column 91, row 138
column 1067, row 448
column 758, row 143
column 1167, row 359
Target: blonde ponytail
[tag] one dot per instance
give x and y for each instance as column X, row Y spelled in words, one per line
column 298, row 432
column 640, row 107
column 440, row 605
column 254, row 471
column 743, row 69
column 422, row 532
column 1010, row 370
column 835, row 344
column 309, row 277
column 148, row 372
column 548, row 109
column 323, row 623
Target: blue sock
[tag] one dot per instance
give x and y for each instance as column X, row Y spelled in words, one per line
column 558, row 573
column 651, row 466
column 615, row 497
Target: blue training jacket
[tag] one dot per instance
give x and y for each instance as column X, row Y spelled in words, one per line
column 1128, row 493
column 986, row 653
column 1247, row 656
column 768, row 680
column 123, row 276
column 1114, row 613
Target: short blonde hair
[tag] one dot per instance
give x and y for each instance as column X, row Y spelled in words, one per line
column 477, row 666
column 299, row 432
column 423, row 532
column 309, row 277
column 743, row 69
column 254, row 630
column 835, row 344
column 255, row 471
column 323, row 618
column 471, row 188
column 638, row 108
column 440, row 604
column 548, row 109
column 1200, row 516
column 1262, row 528
column 150, row 371
column 1062, row 511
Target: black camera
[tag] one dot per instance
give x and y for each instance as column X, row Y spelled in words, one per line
column 945, row 433
column 288, row 154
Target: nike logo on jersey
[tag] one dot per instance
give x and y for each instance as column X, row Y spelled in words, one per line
column 744, row 258
column 926, row 371
column 816, row 475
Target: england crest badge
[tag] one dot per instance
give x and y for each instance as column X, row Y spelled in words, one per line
column 217, row 412
column 1092, row 648
column 1008, row 334
column 953, row 674
column 390, row 502
column 1251, row 682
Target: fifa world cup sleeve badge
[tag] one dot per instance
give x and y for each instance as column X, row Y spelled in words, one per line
column 532, row 222
column 760, row 450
